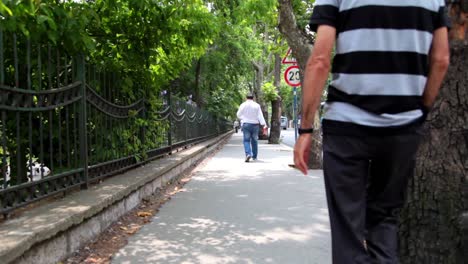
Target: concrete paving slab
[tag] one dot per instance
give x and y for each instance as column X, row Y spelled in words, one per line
column 237, row 212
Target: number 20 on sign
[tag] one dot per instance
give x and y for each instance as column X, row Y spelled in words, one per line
column 292, row 76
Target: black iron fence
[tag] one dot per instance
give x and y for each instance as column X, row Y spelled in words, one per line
column 65, row 123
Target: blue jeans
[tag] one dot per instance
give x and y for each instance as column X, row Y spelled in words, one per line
column 251, row 139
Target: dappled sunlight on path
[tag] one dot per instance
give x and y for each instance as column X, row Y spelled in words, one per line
column 237, row 212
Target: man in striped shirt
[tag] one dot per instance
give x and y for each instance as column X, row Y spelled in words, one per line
column 390, row 59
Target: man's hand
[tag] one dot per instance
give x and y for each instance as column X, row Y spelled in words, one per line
column 302, row 152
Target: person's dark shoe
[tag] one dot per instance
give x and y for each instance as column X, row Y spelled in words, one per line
column 247, row 158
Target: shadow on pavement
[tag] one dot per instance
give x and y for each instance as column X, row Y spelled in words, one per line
column 237, row 212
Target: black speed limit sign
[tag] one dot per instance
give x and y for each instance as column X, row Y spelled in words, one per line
column 292, row 76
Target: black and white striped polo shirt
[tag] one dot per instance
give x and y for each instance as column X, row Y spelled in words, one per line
column 381, row 63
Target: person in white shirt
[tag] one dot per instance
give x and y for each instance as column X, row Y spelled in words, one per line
column 236, row 125
column 251, row 117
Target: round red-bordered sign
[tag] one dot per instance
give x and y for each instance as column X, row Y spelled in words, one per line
column 292, row 76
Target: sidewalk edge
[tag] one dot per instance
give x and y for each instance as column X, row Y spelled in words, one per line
column 51, row 232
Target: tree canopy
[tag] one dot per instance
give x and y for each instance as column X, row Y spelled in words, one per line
column 198, row 48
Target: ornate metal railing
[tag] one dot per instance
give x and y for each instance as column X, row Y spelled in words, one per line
column 66, row 124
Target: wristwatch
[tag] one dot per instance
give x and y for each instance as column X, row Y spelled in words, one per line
column 305, row 131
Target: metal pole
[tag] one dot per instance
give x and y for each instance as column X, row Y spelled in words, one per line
column 83, row 133
column 169, row 133
column 295, row 113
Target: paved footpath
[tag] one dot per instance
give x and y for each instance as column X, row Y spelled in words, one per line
column 241, row 213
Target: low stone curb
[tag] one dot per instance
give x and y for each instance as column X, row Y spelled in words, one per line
column 51, row 232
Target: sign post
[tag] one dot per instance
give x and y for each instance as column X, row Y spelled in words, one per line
column 294, row 112
column 293, row 78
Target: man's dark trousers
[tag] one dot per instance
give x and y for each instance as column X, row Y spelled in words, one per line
column 366, row 179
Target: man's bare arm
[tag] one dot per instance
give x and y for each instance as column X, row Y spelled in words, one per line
column 316, row 73
column 439, row 57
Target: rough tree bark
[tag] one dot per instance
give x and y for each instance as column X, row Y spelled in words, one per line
column 275, row 130
column 459, row 15
column 259, row 76
column 432, row 228
column 298, row 41
column 259, row 67
column 301, row 46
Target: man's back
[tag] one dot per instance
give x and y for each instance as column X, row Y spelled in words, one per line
column 391, row 57
column 250, row 112
column 381, row 64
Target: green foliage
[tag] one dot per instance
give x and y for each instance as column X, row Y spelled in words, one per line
column 302, row 11
column 259, row 11
column 145, row 43
column 154, row 41
column 149, row 42
column 269, row 91
column 60, row 23
column 186, row 46
column 224, row 103
column 226, row 71
column 286, row 93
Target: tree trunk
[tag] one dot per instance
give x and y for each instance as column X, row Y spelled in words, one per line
column 197, row 97
column 431, row 230
column 259, row 70
column 316, row 157
column 275, row 129
column 458, row 12
column 301, row 46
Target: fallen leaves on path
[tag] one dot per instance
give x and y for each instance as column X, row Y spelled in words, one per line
column 144, row 214
column 101, row 249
